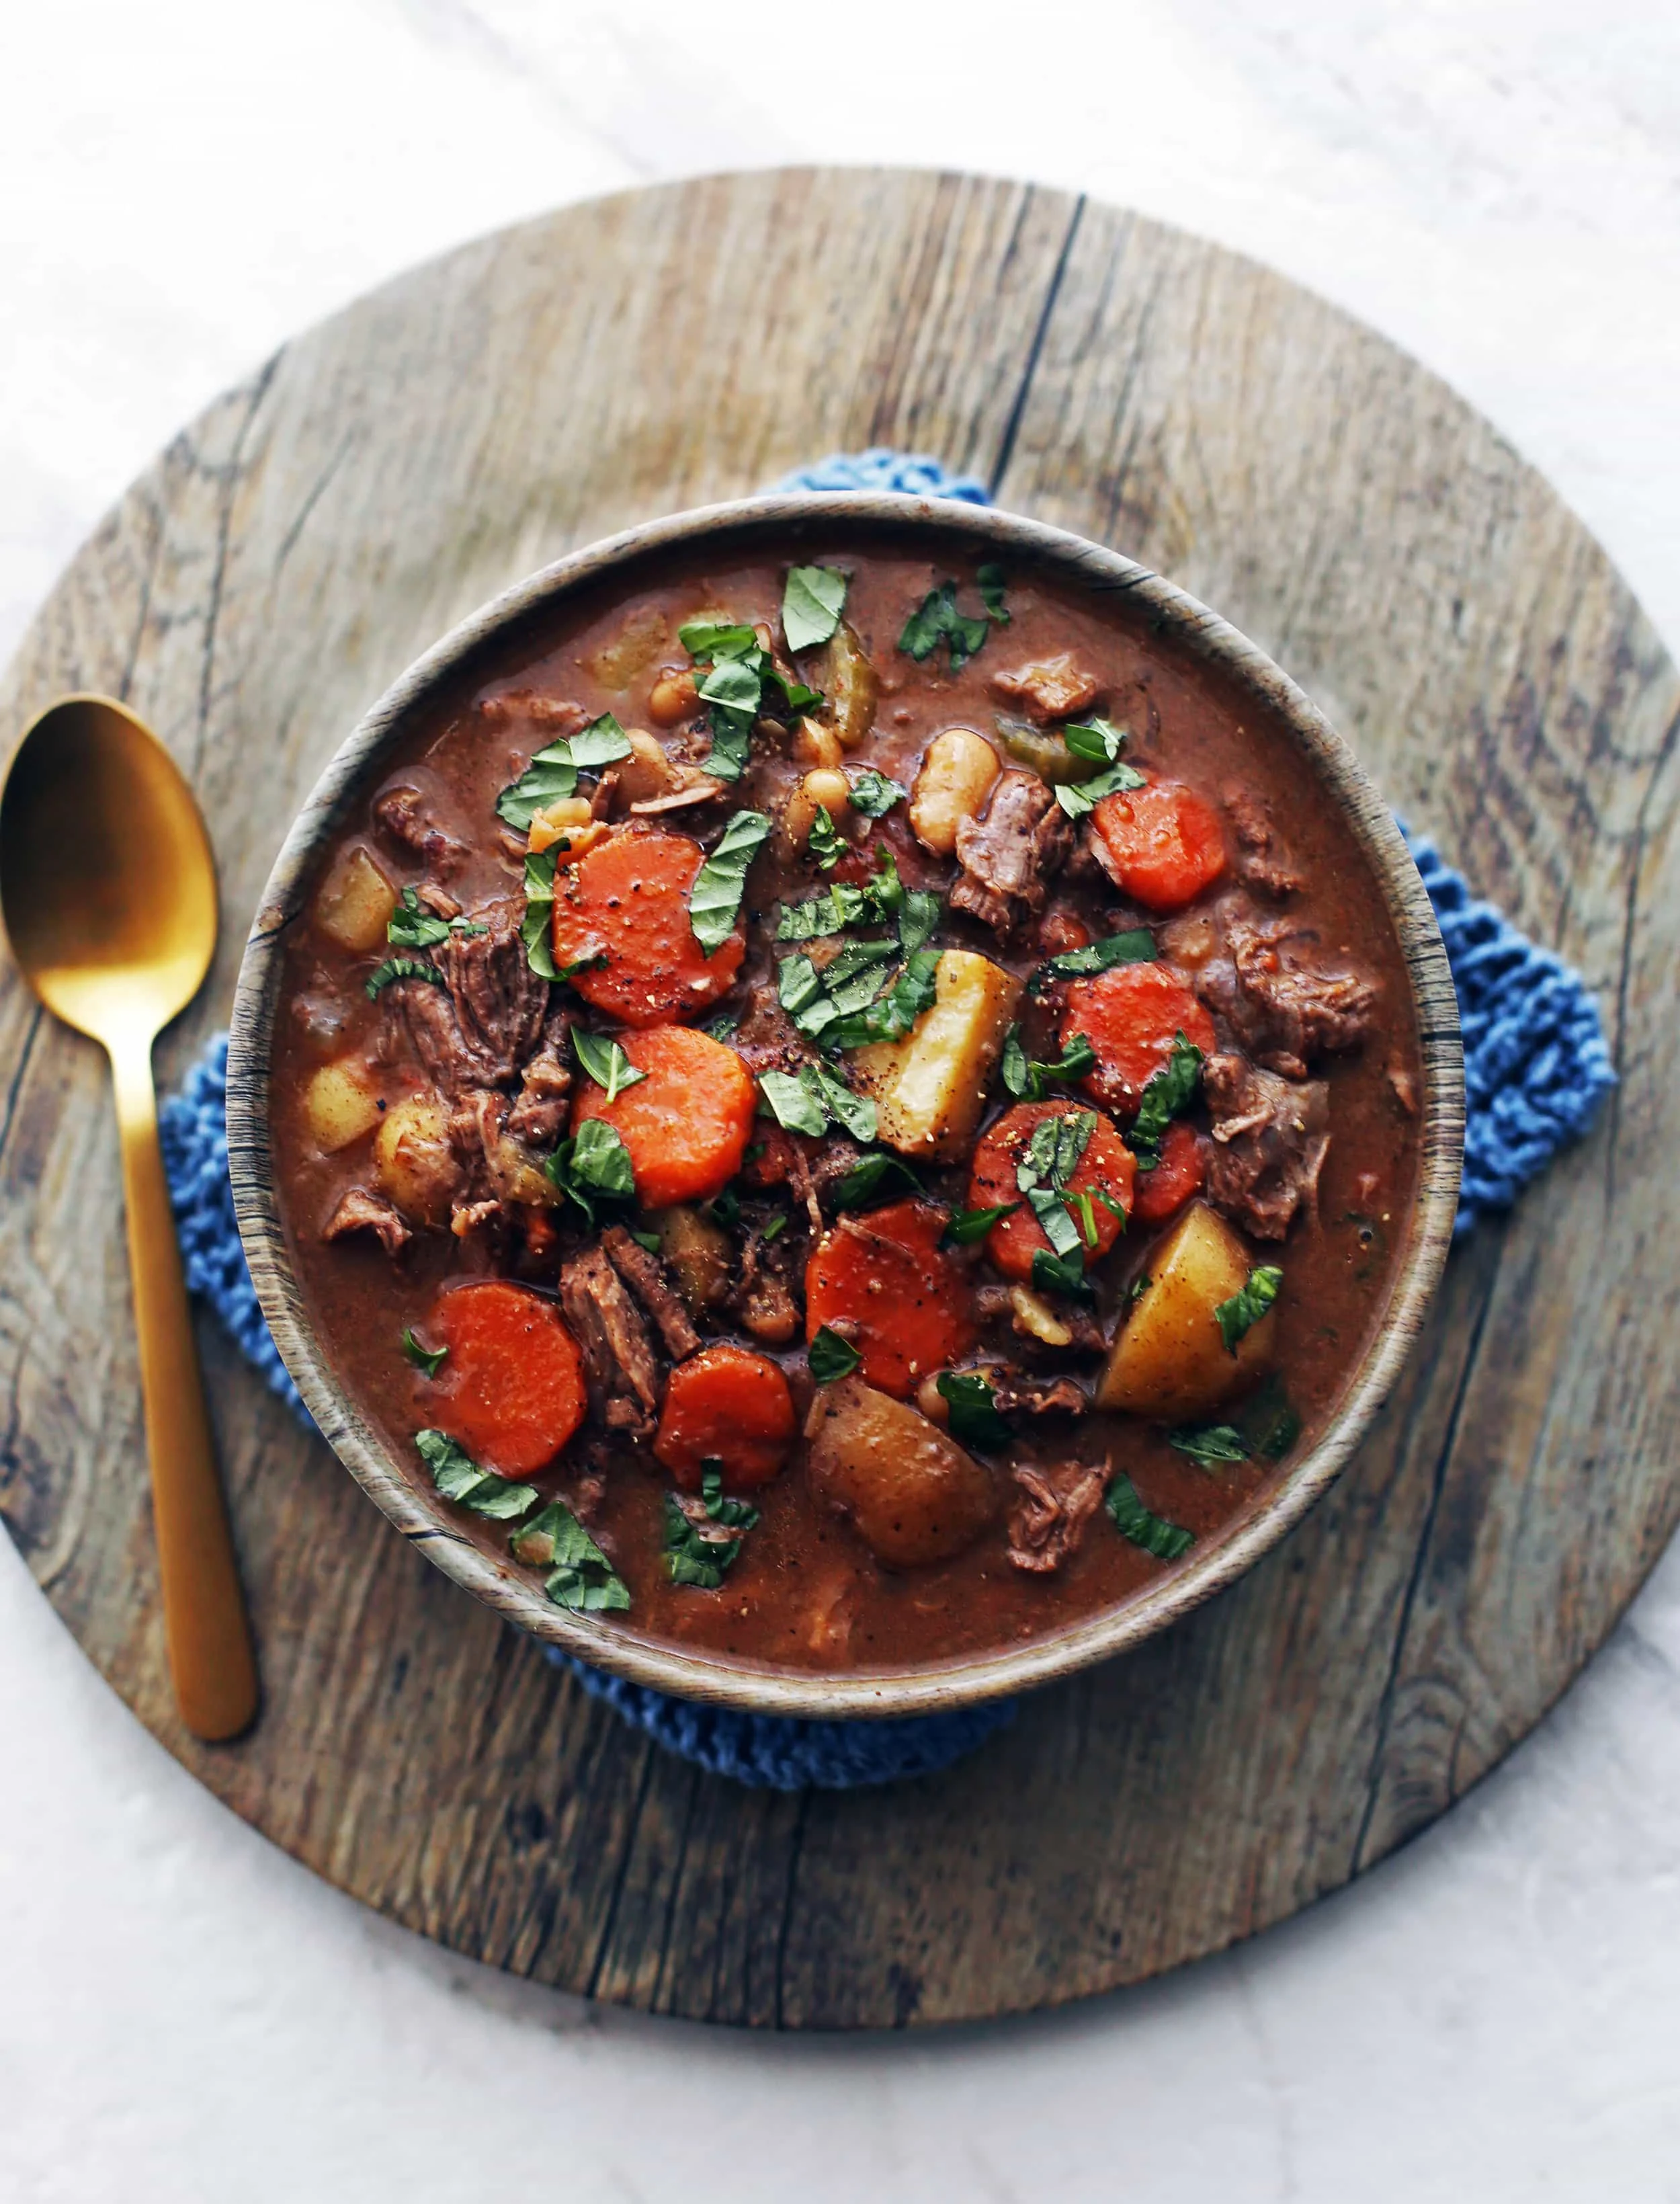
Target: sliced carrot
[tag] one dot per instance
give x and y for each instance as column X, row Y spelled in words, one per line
column 1161, row 844
column 627, row 899
column 687, row 1122
column 1107, row 1167
column 1130, row 1015
column 730, row 1406
column 1162, row 1192
column 895, row 1293
column 511, row 1391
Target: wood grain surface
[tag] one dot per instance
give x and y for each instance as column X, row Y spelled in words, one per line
column 315, row 529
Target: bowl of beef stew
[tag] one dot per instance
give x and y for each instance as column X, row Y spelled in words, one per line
column 844, row 1104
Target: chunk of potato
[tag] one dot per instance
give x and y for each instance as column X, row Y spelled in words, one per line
column 698, row 1252
column 912, row 1493
column 413, row 1161
column 636, row 645
column 354, row 903
column 930, row 1087
column 847, row 679
column 954, row 782
column 340, row 1104
column 1170, row 1359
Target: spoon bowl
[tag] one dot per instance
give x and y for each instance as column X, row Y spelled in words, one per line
column 108, row 885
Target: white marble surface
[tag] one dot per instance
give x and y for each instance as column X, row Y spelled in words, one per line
column 184, row 2014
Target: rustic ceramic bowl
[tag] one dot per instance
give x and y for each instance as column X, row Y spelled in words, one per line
column 472, row 653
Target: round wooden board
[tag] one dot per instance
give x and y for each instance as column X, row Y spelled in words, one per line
column 316, row 527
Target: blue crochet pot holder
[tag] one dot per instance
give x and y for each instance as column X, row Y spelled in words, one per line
column 1535, row 1066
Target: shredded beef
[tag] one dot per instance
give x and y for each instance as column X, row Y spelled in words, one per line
column 1009, row 852
column 437, row 900
column 406, row 817
column 523, row 711
column 644, row 1274
column 1262, row 862
column 1281, row 1007
column 1053, row 690
column 1048, row 1520
column 479, row 1027
column 539, row 1113
column 1270, row 1136
column 1039, row 1396
column 616, row 1348
column 358, row 1211
column 761, row 1296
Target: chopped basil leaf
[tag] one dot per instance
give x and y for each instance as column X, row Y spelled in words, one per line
column 826, row 844
column 896, row 1013
column 733, row 688
column 1208, row 1443
column 536, row 926
column 1076, row 797
column 938, row 620
column 413, row 926
column 831, row 1357
column 429, row 1359
column 580, row 1576
column 967, row 1225
column 1244, row 1309
column 1098, row 740
column 1051, row 1158
column 605, row 1061
column 1154, row 1533
column 650, row 1240
column 714, row 900
column 872, row 1175
column 731, row 744
column 458, row 1477
column 794, row 694
column 775, row 1227
column 988, row 579
column 594, row 1165
column 838, row 907
column 726, row 1208
column 917, row 918
column 873, row 794
column 1139, row 1287
column 552, row 773
column 690, row 1557
column 797, row 1106
column 855, row 1112
column 1051, row 1275
column 881, row 900
column 711, row 639
column 812, row 601
column 722, row 1027
column 402, row 968
column 1082, row 1205
column 1167, row 1096
column 1271, row 1424
column 800, row 991
column 1135, row 947
column 1026, row 1077
column 974, row 1420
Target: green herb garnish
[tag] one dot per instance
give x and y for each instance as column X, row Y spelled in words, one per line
column 402, row 968
column 650, row 1240
column 1044, row 1172
column 774, row 1227
column 1056, row 1274
column 1168, row 1095
column 1026, row 1077
column 580, row 1576
column 1097, row 741
column 732, row 690
column 965, row 1226
column 413, row 926
column 988, row 579
column 1210, row 1443
column 714, row 900
column 938, row 620
column 805, row 1101
column 458, row 1477
column 605, row 1061
column 593, row 1166
column 552, row 773
column 894, row 1014
column 1154, row 1533
column 536, row 926
column 1076, row 797
column 874, row 795
column 974, row 1418
column 870, row 1175
column 429, row 1359
column 1244, row 1309
column 724, row 1027
column 812, row 600
column 826, row 844
column 692, row 1558
column 832, row 1357
column 1135, row 947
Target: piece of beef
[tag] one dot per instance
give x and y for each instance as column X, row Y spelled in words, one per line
column 761, row 1296
column 1270, row 1136
column 478, row 1029
column 644, row 1274
column 539, row 1113
column 1019, row 1393
column 1010, row 851
column 539, row 719
column 1053, row 689
column 1048, row 1520
column 358, row 1211
column 437, row 900
column 617, row 1351
column 1284, row 1009
column 1262, row 862
column 406, row 817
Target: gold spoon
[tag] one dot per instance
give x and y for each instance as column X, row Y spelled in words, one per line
column 108, row 887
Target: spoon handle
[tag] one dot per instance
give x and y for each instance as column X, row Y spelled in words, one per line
column 205, row 1625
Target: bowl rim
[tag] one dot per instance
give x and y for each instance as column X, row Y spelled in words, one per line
column 965, row 1680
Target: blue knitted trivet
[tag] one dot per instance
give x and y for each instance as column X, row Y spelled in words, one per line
column 1536, row 1065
